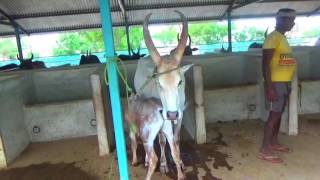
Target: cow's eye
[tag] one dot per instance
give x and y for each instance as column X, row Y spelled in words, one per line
column 180, row 82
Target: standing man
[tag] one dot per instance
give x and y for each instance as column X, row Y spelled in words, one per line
column 278, row 67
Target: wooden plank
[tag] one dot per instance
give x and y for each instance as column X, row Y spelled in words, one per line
column 199, row 105
column 100, row 115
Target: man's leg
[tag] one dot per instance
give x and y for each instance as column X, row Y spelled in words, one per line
column 272, row 126
column 266, row 153
column 274, row 140
column 275, row 145
column 269, row 131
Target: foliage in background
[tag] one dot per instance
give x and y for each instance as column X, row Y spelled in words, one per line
column 8, row 48
column 208, row 33
column 249, row 34
column 136, row 37
column 204, row 33
column 120, row 38
column 79, row 42
column 312, row 33
column 166, row 37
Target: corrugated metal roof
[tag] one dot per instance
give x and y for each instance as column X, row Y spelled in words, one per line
column 36, row 16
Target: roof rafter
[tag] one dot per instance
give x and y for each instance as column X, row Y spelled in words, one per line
column 5, row 23
column 13, row 22
column 247, row 3
column 228, row 9
column 314, row 11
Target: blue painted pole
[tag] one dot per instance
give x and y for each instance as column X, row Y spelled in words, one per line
column 114, row 89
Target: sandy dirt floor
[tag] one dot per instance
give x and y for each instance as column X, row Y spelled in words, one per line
column 230, row 154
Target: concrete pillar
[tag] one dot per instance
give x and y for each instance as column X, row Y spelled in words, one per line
column 3, row 161
column 289, row 123
column 199, row 105
column 100, row 115
column 261, row 102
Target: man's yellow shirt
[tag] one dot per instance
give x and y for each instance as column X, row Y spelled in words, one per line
column 282, row 65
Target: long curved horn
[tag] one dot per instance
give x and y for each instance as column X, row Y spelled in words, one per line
column 149, row 43
column 189, row 40
column 183, row 38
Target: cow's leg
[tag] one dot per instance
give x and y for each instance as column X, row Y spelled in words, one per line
column 151, row 157
column 152, row 161
column 163, row 159
column 167, row 130
column 149, row 134
column 176, row 137
column 133, row 148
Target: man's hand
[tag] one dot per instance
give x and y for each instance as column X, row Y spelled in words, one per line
column 271, row 93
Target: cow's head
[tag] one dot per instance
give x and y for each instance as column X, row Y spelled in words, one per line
column 137, row 55
column 169, row 75
column 188, row 50
column 25, row 63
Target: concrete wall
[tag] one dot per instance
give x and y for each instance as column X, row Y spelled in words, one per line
column 309, row 98
column 15, row 137
column 228, row 104
column 55, row 121
column 63, row 84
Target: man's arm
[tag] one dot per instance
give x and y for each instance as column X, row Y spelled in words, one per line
column 266, row 60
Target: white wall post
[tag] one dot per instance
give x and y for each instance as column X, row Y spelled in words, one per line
column 199, row 105
column 100, row 115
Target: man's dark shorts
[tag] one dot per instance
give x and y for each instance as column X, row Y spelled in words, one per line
column 283, row 90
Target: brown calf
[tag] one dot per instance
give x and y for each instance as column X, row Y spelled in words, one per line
column 145, row 120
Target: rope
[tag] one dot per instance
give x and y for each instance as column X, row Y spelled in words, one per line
column 124, row 78
column 154, row 75
column 123, row 75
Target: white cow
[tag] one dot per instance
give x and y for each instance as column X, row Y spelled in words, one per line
column 163, row 78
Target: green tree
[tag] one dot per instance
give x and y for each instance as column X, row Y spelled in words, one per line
column 166, row 36
column 79, row 42
column 8, row 48
column 208, row 33
column 136, row 37
column 249, row 34
column 312, row 33
column 120, row 39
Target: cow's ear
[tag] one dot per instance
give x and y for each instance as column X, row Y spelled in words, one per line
column 185, row 68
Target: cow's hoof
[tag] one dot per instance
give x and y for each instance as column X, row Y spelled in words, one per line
column 164, row 169
column 134, row 163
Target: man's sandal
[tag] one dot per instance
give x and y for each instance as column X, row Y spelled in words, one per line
column 280, row 149
column 270, row 158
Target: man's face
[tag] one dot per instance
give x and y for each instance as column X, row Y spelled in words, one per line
column 286, row 23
